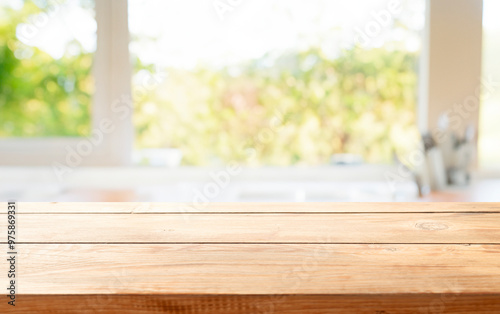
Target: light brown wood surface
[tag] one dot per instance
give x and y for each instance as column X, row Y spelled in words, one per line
column 261, row 228
column 257, row 258
column 201, row 208
column 258, row 268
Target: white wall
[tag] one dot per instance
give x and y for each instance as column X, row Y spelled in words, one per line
column 451, row 64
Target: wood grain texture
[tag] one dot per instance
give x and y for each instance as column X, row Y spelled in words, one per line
column 200, row 208
column 257, row 269
column 260, row 228
column 262, row 304
column 378, row 258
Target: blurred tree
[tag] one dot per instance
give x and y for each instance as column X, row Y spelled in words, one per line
column 297, row 108
column 39, row 95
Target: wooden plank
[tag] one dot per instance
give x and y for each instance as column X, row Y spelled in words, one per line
column 257, row 269
column 193, row 208
column 235, row 304
column 246, row 258
column 258, row 228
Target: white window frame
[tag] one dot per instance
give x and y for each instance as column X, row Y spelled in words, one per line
column 112, row 76
column 112, row 72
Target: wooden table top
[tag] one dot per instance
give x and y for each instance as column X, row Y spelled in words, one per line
column 256, row 257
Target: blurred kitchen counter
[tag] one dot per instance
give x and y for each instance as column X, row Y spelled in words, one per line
column 363, row 183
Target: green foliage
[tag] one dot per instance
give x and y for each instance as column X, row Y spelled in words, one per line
column 294, row 108
column 298, row 108
column 41, row 96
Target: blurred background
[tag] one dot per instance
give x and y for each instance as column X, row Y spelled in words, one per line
column 217, row 100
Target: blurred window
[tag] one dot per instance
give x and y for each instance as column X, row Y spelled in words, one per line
column 46, row 56
column 282, row 82
column 489, row 128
